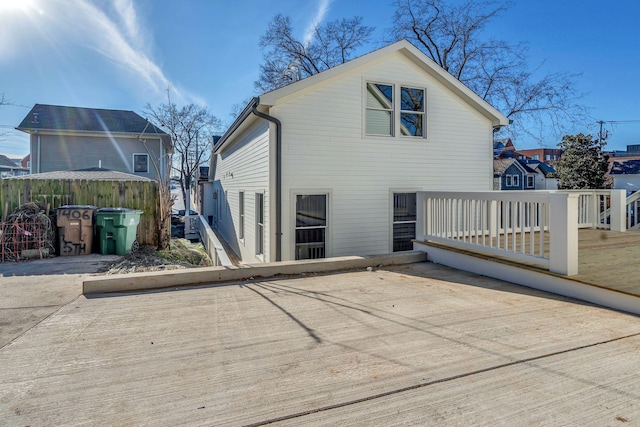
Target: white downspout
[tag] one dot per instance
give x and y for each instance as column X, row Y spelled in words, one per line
column 39, row 154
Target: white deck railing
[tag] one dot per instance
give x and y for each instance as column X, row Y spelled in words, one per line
column 537, row 227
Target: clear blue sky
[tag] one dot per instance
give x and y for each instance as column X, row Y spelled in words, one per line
column 122, row 54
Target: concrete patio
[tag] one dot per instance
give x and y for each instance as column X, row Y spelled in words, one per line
column 415, row 344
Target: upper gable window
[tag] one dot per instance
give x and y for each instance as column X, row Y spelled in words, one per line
column 390, row 107
column 412, row 111
column 379, row 109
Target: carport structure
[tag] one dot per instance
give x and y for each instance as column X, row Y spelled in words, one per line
column 414, row 344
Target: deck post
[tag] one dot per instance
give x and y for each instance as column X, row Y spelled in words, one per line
column 421, row 216
column 563, row 230
column 618, row 210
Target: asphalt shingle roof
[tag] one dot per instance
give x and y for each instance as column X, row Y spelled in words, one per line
column 7, row 162
column 56, row 117
column 93, row 174
column 625, row 167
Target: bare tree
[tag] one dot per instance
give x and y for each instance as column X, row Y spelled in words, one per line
column 452, row 35
column 191, row 128
column 285, row 56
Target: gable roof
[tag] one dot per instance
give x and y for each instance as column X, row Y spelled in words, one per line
column 7, row 162
column 625, row 167
column 416, row 56
column 404, row 47
column 61, row 118
column 501, row 165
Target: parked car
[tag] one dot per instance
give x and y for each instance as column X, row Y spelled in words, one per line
column 179, row 217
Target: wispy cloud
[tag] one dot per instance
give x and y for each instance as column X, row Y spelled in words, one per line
column 323, row 8
column 114, row 29
column 118, row 37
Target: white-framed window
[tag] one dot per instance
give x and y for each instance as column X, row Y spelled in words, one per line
column 547, row 156
column 535, row 157
column 140, row 163
column 259, row 223
column 390, row 107
column 241, row 215
column 507, row 181
column 311, row 226
column 516, row 180
column 404, row 221
column 531, row 181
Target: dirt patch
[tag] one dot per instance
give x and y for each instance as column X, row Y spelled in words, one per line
column 181, row 254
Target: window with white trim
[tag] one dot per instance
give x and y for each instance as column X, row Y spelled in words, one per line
column 311, row 226
column 531, row 181
column 140, row 163
column 516, row 180
column 404, row 221
column 507, row 181
column 241, row 215
column 259, row 223
column 390, row 107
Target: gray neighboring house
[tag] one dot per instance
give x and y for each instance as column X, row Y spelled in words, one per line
column 9, row 168
column 72, row 138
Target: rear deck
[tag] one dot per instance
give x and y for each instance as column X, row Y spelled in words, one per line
column 609, row 259
column 607, row 268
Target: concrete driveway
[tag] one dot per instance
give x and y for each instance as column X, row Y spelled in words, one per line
column 419, row 344
column 30, row 291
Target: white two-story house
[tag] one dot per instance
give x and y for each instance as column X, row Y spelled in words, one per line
column 329, row 165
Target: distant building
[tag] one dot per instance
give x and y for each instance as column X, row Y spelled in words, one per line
column 544, row 155
column 632, row 151
column 9, row 168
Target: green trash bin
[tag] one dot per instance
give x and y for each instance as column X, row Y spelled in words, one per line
column 117, row 230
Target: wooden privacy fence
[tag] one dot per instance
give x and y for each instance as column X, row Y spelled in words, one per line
column 140, row 195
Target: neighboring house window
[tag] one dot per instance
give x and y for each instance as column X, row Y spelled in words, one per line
column 381, row 107
column 311, row 226
column 140, row 163
column 531, row 181
column 516, row 180
column 535, row 157
column 508, row 181
column 241, row 214
column 548, row 156
column 404, row 221
column 259, row 223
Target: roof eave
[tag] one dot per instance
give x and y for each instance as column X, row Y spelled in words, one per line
column 237, row 123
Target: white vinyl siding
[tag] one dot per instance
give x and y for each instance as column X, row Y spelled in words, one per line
column 326, row 150
column 243, row 167
column 324, row 146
